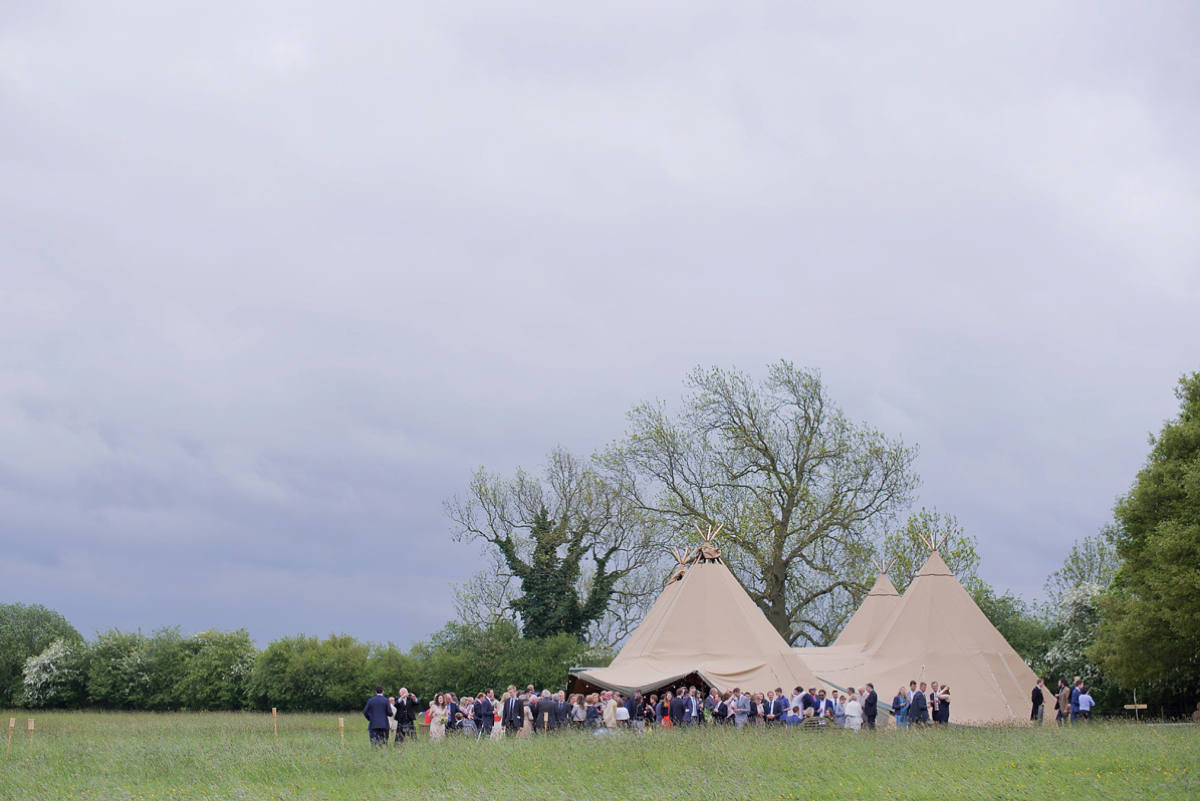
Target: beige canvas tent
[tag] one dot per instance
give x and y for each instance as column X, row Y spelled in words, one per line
column 869, row 621
column 936, row 633
column 703, row 624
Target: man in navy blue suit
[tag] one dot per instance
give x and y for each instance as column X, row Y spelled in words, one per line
column 485, row 713
column 377, row 711
column 779, row 707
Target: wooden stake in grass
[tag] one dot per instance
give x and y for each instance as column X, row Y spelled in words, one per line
column 31, row 738
column 342, row 731
column 12, row 724
column 275, row 720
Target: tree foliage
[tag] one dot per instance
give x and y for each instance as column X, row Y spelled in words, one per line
column 802, row 492
column 1148, row 619
column 307, row 673
column 129, row 670
column 1077, row 618
column 55, row 677
column 461, row 657
column 551, row 533
column 216, row 671
column 27, row 631
column 906, row 549
column 1092, row 560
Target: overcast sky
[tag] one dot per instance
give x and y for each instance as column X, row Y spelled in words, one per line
column 275, row 278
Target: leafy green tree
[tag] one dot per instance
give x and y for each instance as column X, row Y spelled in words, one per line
column 216, row 670
column 469, row 659
column 27, row 631
column 389, row 666
column 128, row 670
column 802, row 492
column 1148, row 619
column 547, row 531
column 307, row 674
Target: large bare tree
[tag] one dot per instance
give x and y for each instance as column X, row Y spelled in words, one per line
column 803, row 493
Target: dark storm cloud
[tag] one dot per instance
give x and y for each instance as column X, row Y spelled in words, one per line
column 278, row 277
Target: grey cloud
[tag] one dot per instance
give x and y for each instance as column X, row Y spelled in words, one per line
column 277, row 278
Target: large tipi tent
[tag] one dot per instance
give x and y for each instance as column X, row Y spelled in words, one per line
column 937, row 633
column 704, row 624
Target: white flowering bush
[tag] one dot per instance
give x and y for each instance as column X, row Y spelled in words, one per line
column 1078, row 617
column 55, row 676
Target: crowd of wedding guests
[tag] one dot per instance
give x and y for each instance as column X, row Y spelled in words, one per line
column 523, row 712
column 1072, row 703
column 918, row 704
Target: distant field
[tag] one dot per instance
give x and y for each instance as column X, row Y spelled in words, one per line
column 88, row 755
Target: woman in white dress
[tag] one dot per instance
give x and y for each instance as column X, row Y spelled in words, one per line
column 439, row 711
column 854, row 713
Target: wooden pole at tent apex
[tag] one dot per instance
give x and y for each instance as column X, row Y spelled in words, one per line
column 31, row 738
column 342, row 731
column 12, row 724
column 275, row 720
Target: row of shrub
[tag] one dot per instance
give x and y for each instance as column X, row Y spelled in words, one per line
column 224, row 670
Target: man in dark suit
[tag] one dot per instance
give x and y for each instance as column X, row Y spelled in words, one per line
column 779, row 707
column 406, row 715
column 562, row 710
column 678, row 708
column 545, row 717
column 1039, row 703
column 918, row 707
column 485, row 713
column 637, row 711
column 808, row 702
column 512, row 714
column 870, row 706
column 823, row 707
column 377, row 711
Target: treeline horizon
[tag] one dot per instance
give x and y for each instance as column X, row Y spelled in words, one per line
column 217, row 670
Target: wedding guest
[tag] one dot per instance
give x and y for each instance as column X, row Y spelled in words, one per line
column 853, row 713
column 942, row 715
column 870, row 705
column 900, row 708
column 375, row 712
column 439, row 713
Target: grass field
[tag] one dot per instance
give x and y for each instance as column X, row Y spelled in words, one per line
column 88, row 755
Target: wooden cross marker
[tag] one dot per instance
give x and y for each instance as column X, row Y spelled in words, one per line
column 275, row 720
column 342, row 731
column 31, row 738
column 1135, row 706
column 12, row 724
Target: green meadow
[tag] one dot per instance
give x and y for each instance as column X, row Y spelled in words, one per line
column 91, row 755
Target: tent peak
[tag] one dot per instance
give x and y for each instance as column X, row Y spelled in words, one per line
column 932, row 542
column 707, row 552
